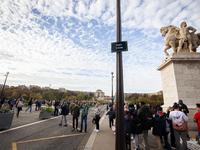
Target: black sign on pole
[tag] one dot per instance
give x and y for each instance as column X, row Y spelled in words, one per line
column 119, row 46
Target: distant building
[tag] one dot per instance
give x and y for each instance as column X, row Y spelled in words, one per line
column 22, row 86
column 99, row 94
column 6, row 86
column 62, row 90
column 33, row 86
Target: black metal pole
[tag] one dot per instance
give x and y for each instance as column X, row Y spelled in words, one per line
column 3, row 87
column 120, row 135
column 112, row 88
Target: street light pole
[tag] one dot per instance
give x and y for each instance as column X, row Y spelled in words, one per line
column 4, row 85
column 119, row 139
column 112, row 87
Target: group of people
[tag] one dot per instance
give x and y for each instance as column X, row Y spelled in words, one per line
column 174, row 121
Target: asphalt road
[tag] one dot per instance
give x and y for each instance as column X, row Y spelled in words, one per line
column 28, row 132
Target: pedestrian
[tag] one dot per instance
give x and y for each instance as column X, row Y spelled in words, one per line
column 158, row 128
column 97, row 112
column 167, row 123
column 19, row 105
column 178, row 122
column 56, row 108
column 64, row 113
column 36, row 105
column 197, row 118
column 137, row 129
column 183, row 108
column 29, row 105
column 128, row 128
column 111, row 114
column 76, row 113
column 84, row 114
column 145, row 114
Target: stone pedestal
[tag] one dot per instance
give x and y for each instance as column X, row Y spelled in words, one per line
column 180, row 74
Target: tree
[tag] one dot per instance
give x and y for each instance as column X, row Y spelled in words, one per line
column 38, row 96
column 153, row 98
column 47, row 95
column 24, row 96
column 68, row 93
column 15, row 95
column 80, row 96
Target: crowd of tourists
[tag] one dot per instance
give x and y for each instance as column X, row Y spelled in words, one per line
column 140, row 118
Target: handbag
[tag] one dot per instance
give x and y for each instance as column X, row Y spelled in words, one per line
column 113, row 128
column 179, row 126
column 94, row 120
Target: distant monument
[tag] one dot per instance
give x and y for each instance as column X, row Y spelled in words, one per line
column 181, row 40
column 180, row 71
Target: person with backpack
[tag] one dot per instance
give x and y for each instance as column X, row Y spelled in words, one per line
column 64, row 113
column 144, row 113
column 111, row 114
column 178, row 122
column 137, row 129
column 19, row 105
column 128, row 128
column 167, row 123
column 29, row 105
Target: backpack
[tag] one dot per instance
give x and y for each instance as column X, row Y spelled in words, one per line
column 137, row 125
column 148, row 119
column 20, row 104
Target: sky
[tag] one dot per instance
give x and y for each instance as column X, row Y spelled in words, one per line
column 67, row 43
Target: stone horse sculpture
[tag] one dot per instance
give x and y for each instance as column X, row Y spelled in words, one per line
column 172, row 40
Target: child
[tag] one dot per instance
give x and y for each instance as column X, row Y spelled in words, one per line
column 128, row 128
column 158, row 128
column 111, row 114
column 166, row 122
column 137, row 129
column 197, row 118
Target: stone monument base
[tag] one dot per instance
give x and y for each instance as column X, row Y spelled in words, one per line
column 180, row 74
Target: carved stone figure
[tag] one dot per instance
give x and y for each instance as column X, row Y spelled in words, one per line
column 180, row 39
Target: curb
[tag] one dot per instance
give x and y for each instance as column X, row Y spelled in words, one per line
column 92, row 137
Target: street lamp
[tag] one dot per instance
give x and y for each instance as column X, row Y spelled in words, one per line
column 112, row 87
column 4, row 86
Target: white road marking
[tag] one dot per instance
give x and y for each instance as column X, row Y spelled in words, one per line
column 29, row 124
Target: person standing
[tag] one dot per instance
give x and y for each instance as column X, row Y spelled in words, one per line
column 128, row 128
column 111, row 114
column 143, row 112
column 64, row 113
column 29, row 105
column 197, row 118
column 76, row 114
column 183, row 108
column 97, row 112
column 178, row 122
column 19, row 105
column 56, row 108
column 84, row 114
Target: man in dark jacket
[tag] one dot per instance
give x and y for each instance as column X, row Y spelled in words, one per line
column 76, row 114
column 128, row 128
column 142, row 115
column 56, row 108
column 64, row 113
column 183, row 108
column 111, row 114
column 30, row 105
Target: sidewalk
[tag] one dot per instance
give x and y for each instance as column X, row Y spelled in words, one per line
column 105, row 139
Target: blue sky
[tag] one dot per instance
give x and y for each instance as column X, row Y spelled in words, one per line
column 67, row 43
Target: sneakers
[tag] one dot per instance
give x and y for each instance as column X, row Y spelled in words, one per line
column 97, row 130
column 77, row 129
column 80, row 131
column 65, row 125
column 60, row 124
column 73, row 129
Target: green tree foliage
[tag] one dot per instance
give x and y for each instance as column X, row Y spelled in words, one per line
column 15, row 95
column 80, row 96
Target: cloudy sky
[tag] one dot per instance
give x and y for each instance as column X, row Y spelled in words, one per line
column 67, row 43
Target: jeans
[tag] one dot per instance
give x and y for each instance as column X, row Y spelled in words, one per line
column 97, row 122
column 84, row 118
column 110, row 122
column 75, row 118
column 29, row 106
column 136, row 140
column 146, row 143
column 184, row 139
column 63, row 116
column 166, row 141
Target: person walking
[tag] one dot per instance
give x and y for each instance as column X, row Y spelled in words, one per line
column 64, row 113
column 97, row 112
column 111, row 114
column 19, row 105
column 145, row 114
column 29, row 105
column 178, row 122
column 84, row 114
column 137, row 129
column 183, row 108
column 76, row 113
column 197, row 118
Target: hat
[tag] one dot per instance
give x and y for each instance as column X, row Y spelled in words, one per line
column 175, row 106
